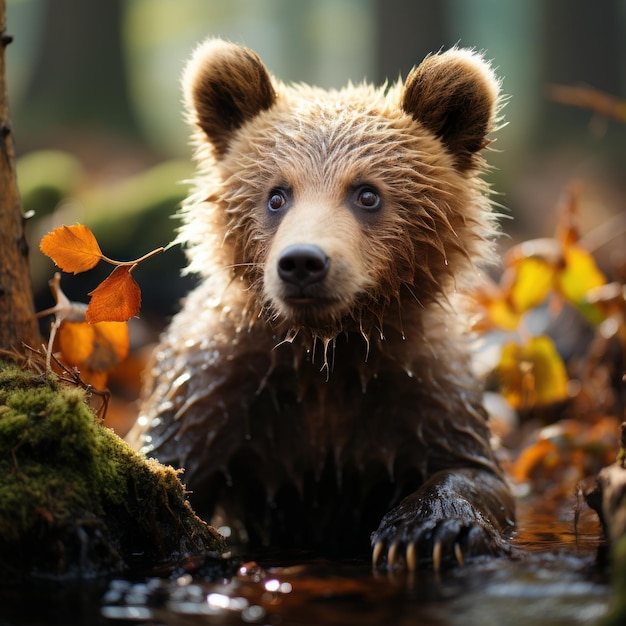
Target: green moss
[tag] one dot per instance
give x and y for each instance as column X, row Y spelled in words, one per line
column 75, row 499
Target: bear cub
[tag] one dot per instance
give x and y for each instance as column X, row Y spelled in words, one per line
column 316, row 386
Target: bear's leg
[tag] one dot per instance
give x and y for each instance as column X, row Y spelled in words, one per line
column 457, row 513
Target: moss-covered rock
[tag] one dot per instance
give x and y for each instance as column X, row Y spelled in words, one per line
column 75, row 500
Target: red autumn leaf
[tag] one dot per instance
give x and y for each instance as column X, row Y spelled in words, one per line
column 73, row 248
column 115, row 299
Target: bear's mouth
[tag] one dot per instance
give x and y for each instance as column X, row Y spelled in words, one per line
column 302, row 301
column 308, row 310
column 310, row 302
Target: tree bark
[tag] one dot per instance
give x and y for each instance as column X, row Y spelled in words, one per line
column 17, row 322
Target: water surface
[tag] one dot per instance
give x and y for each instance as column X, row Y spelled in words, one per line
column 555, row 582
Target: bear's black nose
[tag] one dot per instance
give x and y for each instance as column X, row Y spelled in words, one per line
column 303, row 265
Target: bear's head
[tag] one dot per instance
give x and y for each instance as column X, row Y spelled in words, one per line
column 339, row 210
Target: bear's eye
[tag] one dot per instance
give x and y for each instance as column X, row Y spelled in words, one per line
column 368, row 198
column 277, row 200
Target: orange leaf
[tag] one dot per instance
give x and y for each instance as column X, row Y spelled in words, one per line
column 543, row 454
column 73, row 248
column 567, row 226
column 110, row 346
column 76, row 341
column 94, row 378
column 99, row 346
column 115, row 299
column 502, row 315
column 494, row 309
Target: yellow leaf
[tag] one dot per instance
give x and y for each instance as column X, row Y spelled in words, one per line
column 532, row 374
column 579, row 276
column 533, row 282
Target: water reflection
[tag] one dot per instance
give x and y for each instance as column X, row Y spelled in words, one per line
column 538, row 590
column 555, row 582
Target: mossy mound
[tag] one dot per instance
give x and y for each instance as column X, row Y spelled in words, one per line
column 76, row 501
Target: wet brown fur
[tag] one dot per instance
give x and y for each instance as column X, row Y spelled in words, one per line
column 303, row 425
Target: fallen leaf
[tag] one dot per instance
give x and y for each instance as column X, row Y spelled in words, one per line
column 544, row 455
column 493, row 309
column 502, row 315
column 110, row 345
column 96, row 379
column 115, row 299
column 533, row 283
column 579, row 276
column 532, row 374
column 72, row 248
column 94, row 348
column 567, row 452
column 76, row 340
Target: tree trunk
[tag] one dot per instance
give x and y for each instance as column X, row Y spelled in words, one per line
column 17, row 323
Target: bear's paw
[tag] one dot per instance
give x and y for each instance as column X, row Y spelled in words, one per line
column 454, row 516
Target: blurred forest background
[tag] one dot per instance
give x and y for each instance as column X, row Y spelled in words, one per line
column 95, row 104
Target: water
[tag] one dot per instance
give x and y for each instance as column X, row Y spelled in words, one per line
column 555, row 582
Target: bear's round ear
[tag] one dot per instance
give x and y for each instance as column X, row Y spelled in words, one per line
column 455, row 96
column 224, row 86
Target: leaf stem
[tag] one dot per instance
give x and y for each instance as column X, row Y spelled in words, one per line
column 136, row 261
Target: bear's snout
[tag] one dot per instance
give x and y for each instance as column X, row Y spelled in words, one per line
column 302, row 265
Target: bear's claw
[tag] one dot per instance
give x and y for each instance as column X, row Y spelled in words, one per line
column 399, row 552
column 446, row 521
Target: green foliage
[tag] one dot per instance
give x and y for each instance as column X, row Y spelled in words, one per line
column 47, row 177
